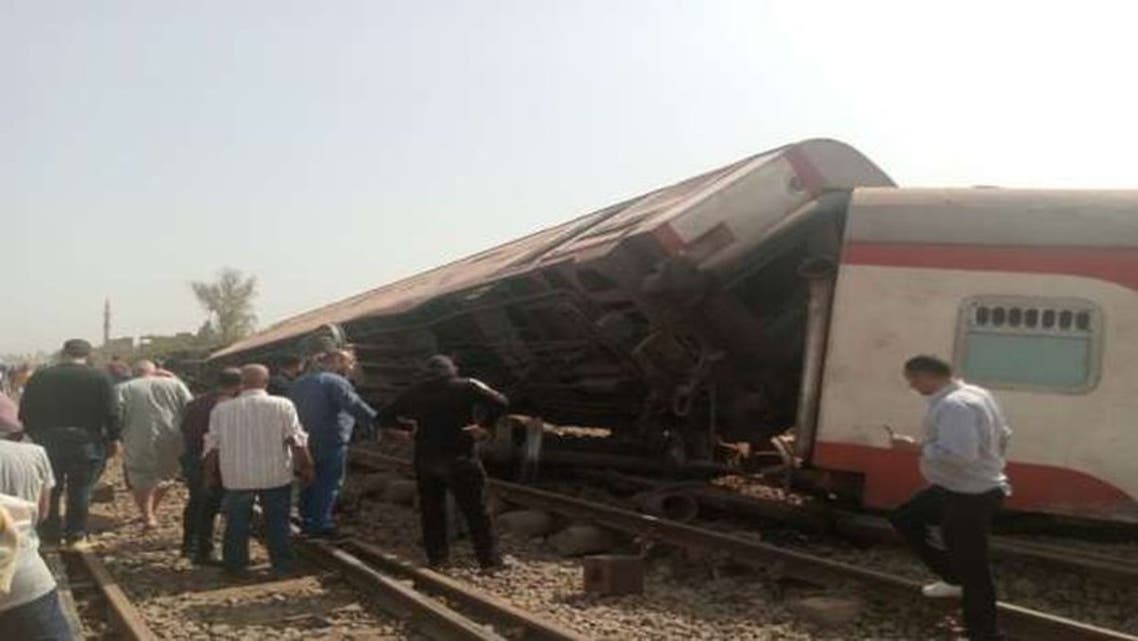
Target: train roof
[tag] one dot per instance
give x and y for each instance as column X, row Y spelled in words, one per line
column 995, row 217
column 824, row 165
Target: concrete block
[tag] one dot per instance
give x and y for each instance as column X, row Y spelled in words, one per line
column 827, row 611
column 613, row 574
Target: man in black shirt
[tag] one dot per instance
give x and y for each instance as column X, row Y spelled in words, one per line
column 444, row 410
column 204, row 502
column 70, row 409
column 288, row 370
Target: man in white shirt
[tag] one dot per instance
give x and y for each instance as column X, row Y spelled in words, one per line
column 962, row 458
column 29, row 602
column 254, row 444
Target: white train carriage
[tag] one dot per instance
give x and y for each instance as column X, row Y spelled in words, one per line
column 1033, row 294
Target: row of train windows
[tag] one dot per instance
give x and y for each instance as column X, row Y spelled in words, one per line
column 1032, row 317
column 1042, row 344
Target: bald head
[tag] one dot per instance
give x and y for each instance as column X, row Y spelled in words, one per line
column 340, row 361
column 144, row 368
column 254, row 376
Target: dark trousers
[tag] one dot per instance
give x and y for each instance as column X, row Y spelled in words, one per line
column 466, row 481
column 38, row 620
column 319, row 497
column 76, row 462
column 201, row 509
column 965, row 522
column 275, row 503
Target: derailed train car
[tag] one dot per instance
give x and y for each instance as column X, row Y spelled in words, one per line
column 777, row 297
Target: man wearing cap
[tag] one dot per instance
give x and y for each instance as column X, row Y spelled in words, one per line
column 445, row 411
column 70, row 409
column 329, row 409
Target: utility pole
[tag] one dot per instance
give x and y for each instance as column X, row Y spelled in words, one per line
column 106, row 321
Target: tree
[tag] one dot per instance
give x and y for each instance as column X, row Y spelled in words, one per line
column 229, row 302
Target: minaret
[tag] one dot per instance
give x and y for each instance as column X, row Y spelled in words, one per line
column 106, row 320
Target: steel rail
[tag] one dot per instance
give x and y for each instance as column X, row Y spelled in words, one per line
column 1107, row 567
column 1019, row 622
column 427, row 615
column 122, row 614
column 66, row 588
column 453, row 591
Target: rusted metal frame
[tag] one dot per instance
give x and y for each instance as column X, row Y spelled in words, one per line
column 124, row 616
column 1021, row 623
column 556, row 296
column 365, row 331
column 456, row 592
column 429, row 616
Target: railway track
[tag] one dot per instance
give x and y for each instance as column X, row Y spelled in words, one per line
column 774, row 561
column 436, row 605
column 1108, row 567
column 90, row 583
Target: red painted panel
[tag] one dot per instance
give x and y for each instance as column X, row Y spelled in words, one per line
column 809, row 177
column 668, row 238
column 1113, row 264
column 891, row 476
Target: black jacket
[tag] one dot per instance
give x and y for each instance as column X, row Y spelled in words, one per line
column 70, row 395
column 440, row 408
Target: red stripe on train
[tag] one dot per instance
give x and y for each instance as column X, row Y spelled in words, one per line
column 891, row 476
column 1114, row 264
column 809, row 178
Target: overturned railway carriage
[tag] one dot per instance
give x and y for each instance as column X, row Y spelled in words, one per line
column 778, row 296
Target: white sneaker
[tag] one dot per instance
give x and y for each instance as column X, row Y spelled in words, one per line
column 942, row 590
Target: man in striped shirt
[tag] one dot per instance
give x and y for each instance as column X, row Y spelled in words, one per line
column 255, row 443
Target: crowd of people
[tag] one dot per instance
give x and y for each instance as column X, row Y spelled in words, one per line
column 258, row 436
column 255, row 438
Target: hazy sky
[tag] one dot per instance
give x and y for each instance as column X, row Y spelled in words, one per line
column 329, row 147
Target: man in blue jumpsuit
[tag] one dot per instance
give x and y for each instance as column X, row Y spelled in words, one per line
column 329, row 409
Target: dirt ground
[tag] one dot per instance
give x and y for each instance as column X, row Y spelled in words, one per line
column 181, row 601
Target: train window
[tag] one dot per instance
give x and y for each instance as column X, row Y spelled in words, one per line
column 1015, row 316
column 1028, row 343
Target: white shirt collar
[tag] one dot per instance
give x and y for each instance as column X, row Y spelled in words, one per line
column 948, row 388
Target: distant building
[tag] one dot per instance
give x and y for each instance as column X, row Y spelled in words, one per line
column 123, row 346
